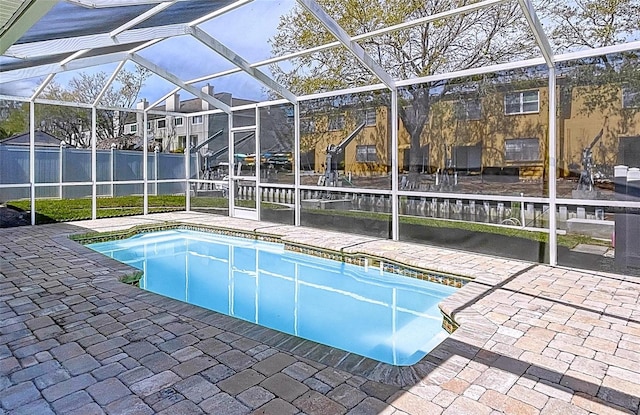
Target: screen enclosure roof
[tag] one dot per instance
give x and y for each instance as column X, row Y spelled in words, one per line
column 42, row 38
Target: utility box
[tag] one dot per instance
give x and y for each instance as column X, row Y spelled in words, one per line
column 627, row 227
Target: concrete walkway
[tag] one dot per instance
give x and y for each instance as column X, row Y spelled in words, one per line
column 533, row 339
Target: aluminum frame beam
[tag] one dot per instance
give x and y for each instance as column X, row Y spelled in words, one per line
column 101, row 4
column 43, row 70
column 144, row 16
column 552, row 154
column 73, row 56
column 218, row 12
column 181, row 29
column 343, row 37
column 406, row 25
column 61, row 46
column 118, row 36
column 32, row 160
column 42, row 86
column 106, row 86
column 164, row 97
column 241, row 63
column 449, row 13
column 176, row 81
column 603, row 50
column 25, row 17
column 536, row 27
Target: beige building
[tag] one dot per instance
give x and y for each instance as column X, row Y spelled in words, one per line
column 503, row 129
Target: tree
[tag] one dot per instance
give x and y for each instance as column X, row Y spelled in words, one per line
column 598, row 81
column 593, row 23
column 74, row 124
column 14, row 118
column 488, row 36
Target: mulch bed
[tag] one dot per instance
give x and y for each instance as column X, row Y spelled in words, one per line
column 10, row 218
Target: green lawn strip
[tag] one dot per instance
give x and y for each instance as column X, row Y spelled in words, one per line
column 64, row 210
column 137, row 201
column 55, row 210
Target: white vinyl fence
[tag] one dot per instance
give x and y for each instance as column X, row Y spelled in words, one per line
column 67, row 172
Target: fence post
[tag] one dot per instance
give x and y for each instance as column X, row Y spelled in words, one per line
column 522, row 217
column 633, row 221
column 622, row 218
column 156, row 149
column 61, row 169
column 633, row 183
column 113, row 167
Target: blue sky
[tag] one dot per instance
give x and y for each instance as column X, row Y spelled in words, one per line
column 249, row 40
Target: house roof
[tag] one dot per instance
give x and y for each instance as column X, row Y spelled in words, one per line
column 42, row 139
column 195, row 104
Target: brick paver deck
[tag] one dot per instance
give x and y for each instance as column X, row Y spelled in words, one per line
column 533, row 339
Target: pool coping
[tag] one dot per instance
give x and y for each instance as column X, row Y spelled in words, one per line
column 457, row 316
column 356, row 258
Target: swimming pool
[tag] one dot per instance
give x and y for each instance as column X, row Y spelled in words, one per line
column 383, row 316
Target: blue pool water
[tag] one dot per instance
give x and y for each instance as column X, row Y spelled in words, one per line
column 383, row 316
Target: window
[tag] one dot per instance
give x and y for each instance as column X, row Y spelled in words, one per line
column 522, row 149
column 133, row 128
column 366, row 153
column 177, row 121
column 182, row 141
column 369, row 117
column 523, row 102
column 148, row 125
column 469, row 109
column 336, row 122
column 162, row 123
column 630, row 97
column 467, row 157
column 196, row 120
column 629, row 151
column 421, row 163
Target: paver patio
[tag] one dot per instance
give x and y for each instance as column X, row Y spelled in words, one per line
column 533, row 339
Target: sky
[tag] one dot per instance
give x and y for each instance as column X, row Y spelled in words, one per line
column 249, row 40
column 187, row 58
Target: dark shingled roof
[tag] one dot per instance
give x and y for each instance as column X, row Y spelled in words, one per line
column 42, row 139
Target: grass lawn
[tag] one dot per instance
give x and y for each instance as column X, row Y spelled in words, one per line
column 63, row 210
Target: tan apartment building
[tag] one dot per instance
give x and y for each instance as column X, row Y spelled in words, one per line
column 506, row 128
